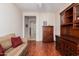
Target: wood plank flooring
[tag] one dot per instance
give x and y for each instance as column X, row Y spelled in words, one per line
column 41, row 49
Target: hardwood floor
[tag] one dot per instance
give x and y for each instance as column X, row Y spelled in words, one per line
column 41, row 49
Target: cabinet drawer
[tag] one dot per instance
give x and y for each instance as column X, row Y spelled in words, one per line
column 68, row 48
column 48, row 33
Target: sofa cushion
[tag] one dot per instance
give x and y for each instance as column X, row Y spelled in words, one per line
column 16, row 41
column 5, row 41
column 2, row 50
column 18, row 51
column 8, row 50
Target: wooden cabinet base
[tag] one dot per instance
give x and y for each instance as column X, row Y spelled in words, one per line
column 67, row 45
column 48, row 34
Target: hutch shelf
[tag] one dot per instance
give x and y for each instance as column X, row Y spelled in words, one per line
column 68, row 44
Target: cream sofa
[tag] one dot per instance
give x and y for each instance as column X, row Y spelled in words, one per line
column 10, row 51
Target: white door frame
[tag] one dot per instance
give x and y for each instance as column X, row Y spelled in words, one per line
column 24, row 23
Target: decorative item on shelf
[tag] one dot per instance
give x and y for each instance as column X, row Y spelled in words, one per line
column 78, row 18
column 44, row 23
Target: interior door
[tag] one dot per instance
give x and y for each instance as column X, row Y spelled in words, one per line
column 33, row 30
column 30, row 27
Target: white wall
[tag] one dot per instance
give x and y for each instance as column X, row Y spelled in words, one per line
column 57, row 19
column 10, row 19
column 40, row 17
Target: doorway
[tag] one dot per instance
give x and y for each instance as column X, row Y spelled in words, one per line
column 30, row 27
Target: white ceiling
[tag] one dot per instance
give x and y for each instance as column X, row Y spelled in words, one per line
column 35, row 7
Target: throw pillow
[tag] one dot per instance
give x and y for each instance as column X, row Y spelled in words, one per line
column 2, row 50
column 16, row 41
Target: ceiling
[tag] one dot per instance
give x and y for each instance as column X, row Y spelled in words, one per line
column 37, row 7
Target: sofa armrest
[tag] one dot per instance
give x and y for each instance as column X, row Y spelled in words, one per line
column 24, row 40
column 18, row 51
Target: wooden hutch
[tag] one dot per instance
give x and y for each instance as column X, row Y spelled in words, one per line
column 68, row 42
